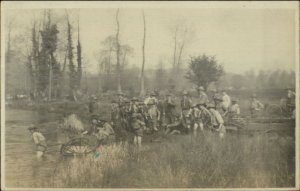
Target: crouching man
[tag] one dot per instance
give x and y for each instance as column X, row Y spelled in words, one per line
column 217, row 120
column 39, row 141
column 106, row 133
column 102, row 130
column 175, row 128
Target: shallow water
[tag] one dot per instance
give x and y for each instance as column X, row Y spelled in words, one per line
column 22, row 169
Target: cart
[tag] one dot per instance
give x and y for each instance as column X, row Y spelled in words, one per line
column 79, row 145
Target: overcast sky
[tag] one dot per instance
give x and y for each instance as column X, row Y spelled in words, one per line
column 241, row 38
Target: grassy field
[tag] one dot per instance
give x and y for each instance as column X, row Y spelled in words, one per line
column 238, row 160
column 180, row 162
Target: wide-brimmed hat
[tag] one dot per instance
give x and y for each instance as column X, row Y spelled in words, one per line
column 210, row 105
column 120, row 93
column 135, row 115
column 151, row 102
column 234, row 100
column 200, row 88
column 218, row 98
column 152, row 94
column 32, row 128
column 95, row 117
column 184, row 93
column 194, row 105
column 253, row 96
column 201, row 103
column 134, row 99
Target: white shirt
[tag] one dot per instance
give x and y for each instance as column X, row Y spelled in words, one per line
column 226, row 101
column 38, row 137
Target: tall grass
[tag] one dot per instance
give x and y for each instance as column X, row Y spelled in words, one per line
column 182, row 162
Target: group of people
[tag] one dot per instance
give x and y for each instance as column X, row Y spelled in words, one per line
column 165, row 114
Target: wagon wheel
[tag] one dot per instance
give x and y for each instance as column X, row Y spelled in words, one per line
column 274, row 111
column 206, row 117
column 78, row 146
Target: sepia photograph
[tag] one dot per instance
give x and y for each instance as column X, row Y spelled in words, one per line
column 150, row 95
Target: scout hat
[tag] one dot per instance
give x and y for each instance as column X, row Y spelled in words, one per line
column 201, row 103
column 210, row 105
column 32, row 128
column 218, row 98
column 135, row 115
column 234, row 100
column 201, row 88
column 151, row 102
column 194, row 105
column 134, row 99
column 184, row 93
column 120, row 93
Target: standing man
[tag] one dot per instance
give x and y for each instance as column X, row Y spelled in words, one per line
column 186, row 104
column 138, row 127
column 203, row 98
column 39, row 141
column 153, row 114
column 290, row 100
column 169, row 109
column 226, row 101
column 121, row 98
column 151, row 97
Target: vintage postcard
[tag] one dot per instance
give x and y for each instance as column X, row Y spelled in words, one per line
column 150, row 95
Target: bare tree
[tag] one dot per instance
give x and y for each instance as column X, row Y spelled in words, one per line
column 142, row 93
column 175, row 46
column 118, row 53
column 71, row 64
column 79, row 59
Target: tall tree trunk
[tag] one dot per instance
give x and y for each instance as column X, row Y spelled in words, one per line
column 175, row 48
column 118, row 54
column 179, row 58
column 180, row 52
column 50, row 80
column 79, row 60
column 142, row 93
column 71, row 64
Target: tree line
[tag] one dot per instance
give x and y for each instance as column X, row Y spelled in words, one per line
column 50, row 65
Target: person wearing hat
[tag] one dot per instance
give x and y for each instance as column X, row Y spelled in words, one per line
column 151, row 98
column 290, row 100
column 153, row 115
column 121, row 98
column 195, row 118
column 177, row 127
column 39, row 141
column 169, row 109
column 217, row 120
column 115, row 112
column 186, row 104
column 226, row 101
column 138, row 127
column 133, row 108
column 105, row 133
column 202, row 95
column 255, row 106
column 234, row 109
column 233, row 116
